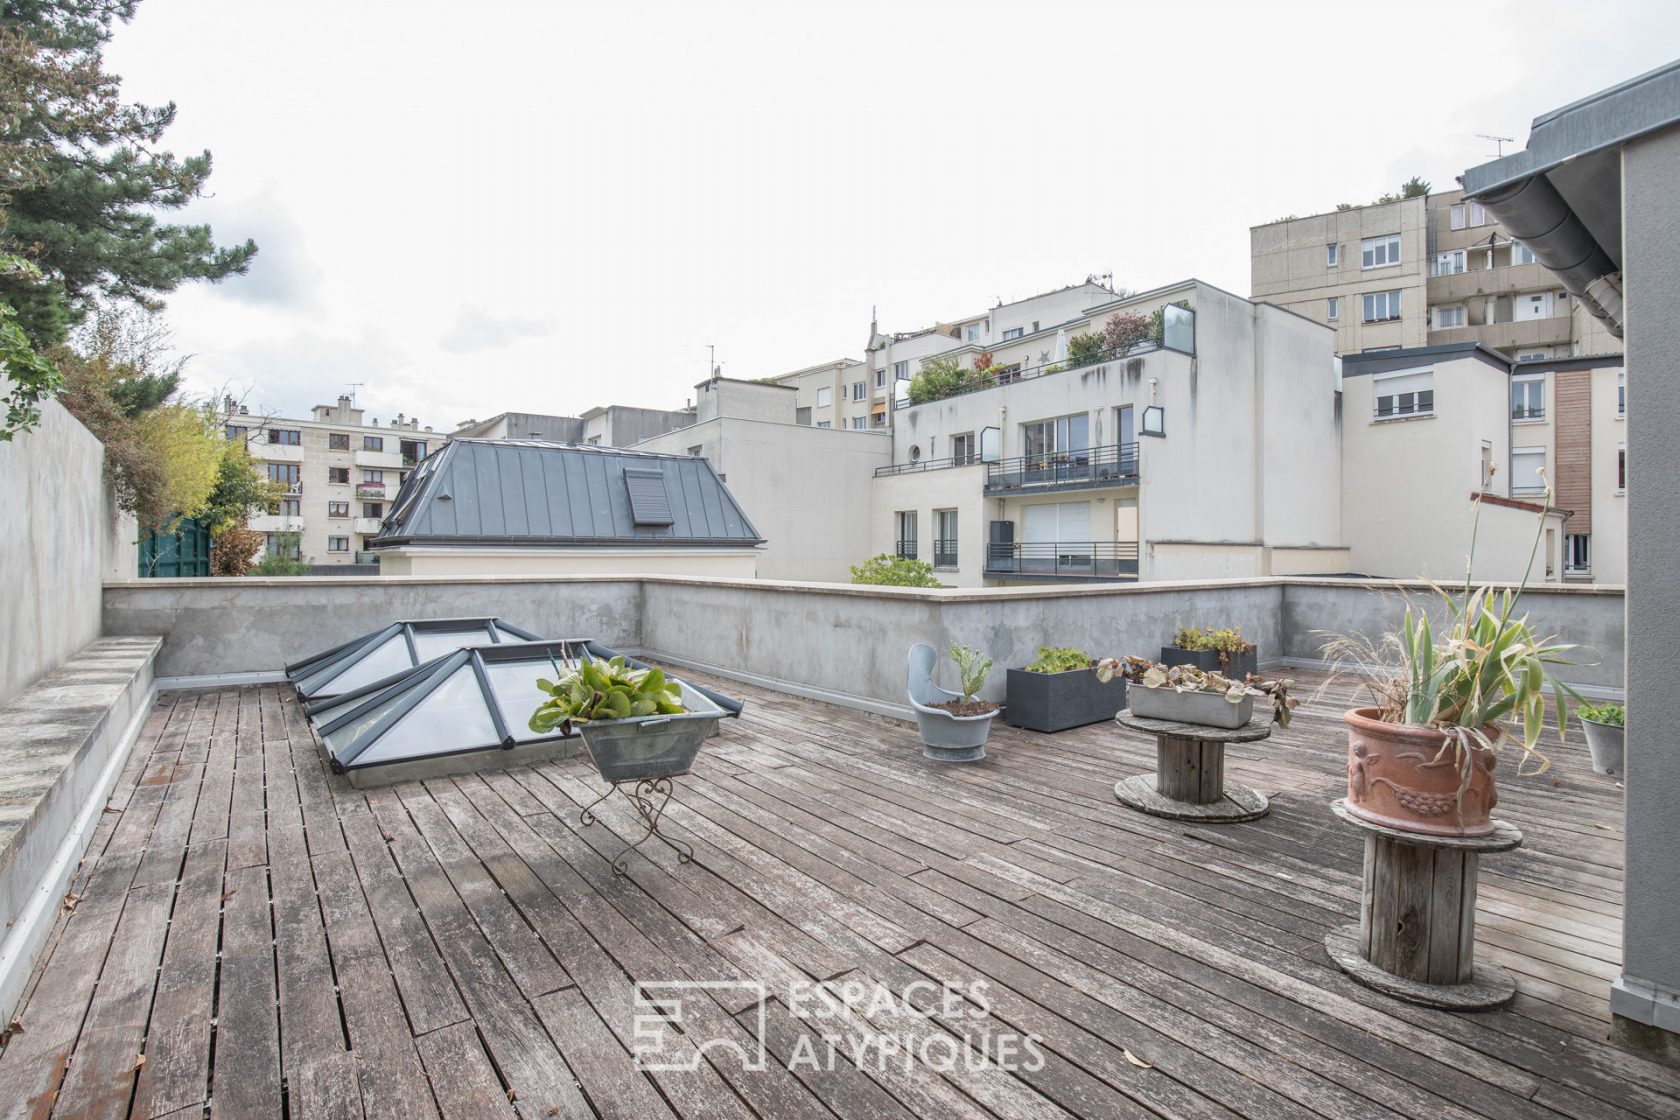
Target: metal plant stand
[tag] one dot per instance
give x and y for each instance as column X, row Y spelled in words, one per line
column 1416, row 937
column 650, row 796
column 1189, row 780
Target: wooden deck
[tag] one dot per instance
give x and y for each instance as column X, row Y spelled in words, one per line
column 252, row 937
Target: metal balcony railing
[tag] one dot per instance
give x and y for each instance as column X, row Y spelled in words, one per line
column 1520, row 412
column 907, row 550
column 1115, row 465
column 944, row 554
column 1088, row 559
column 927, row 465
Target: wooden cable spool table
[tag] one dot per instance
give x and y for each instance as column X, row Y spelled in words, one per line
column 1416, row 937
column 1189, row 780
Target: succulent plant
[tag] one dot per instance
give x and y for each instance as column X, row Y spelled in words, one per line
column 973, row 668
column 591, row 689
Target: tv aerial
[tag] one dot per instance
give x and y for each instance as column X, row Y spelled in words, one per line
column 1499, row 142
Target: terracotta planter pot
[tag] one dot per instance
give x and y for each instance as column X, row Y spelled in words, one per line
column 1394, row 779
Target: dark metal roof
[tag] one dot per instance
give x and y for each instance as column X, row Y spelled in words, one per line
column 512, row 492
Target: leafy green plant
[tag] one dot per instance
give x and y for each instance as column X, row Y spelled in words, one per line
column 590, row 689
column 1228, row 641
column 973, row 668
column 275, row 565
column 938, row 378
column 1187, row 678
column 1084, row 349
column 1052, row 659
column 1611, row 714
column 31, row 377
column 887, row 570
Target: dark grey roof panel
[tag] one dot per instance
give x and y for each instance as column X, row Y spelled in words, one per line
column 488, row 492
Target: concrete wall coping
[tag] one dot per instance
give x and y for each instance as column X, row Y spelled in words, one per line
column 869, row 591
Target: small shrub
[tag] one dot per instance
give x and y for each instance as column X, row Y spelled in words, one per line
column 1060, row 660
column 887, row 570
column 1124, row 330
column 1228, row 641
column 1085, row 349
column 233, row 550
column 1613, row 714
column 936, row 380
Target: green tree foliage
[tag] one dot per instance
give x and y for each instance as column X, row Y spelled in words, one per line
column 1084, row 349
column 241, row 490
column 886, row 570
column 85, row 175
column 938, row 378
column 29, row 377
column 1415, row 187
column 234, row 552
column 280, row 562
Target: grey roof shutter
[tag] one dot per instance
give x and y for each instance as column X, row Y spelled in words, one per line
column 649, row 504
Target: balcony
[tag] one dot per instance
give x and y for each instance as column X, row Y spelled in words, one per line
column 945, row 554
column 368, row 526
column 1071, row 560
column 1519, row 334
column 275, row 523
column 920, row 465
column 1065, row 470
column 370, row 489
column 277, row 452
column 1455, row 287
column 379, row 460
column 905, row 550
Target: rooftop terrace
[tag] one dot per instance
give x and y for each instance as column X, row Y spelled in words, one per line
column 250, row 931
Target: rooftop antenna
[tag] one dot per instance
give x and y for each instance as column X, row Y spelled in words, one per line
column 711, row 358
column 354, row 385
column 1499, row 141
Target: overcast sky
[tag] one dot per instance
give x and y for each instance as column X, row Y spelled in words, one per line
column 543, row 207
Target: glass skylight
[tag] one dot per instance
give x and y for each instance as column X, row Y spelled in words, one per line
column 375, row 658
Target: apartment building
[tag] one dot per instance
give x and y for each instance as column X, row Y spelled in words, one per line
column 609, row 426
column 1208, row 451
column 339, row 472
column 1433, row 270
column 1501, row 430
column 861, row 393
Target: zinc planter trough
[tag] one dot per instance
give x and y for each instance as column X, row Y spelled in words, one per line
column 1052, row 702
column 1209, row 709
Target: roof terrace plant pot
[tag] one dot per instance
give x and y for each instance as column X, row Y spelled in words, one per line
column 1407, row 777
column 630, row 750
column 1240, row 665
column 946, row 735
column 1605, row 741
column 1051, row 702
column 1209, row 709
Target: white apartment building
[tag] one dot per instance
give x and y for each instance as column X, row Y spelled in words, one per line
column 339, row 473
column 1461, row 421
column 1208, row 452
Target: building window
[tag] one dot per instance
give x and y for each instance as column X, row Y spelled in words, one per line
column 880, row 379
column 1621, row 468
column 860, row 390
column 1577, row 552
column 289, row 437
column 1333, row 307
column 962, row 449
column 373, row 476
column 339, row 475
column 971, row 333
column 1485, row 470
column 860, row 421
column 1465, row 215
column 284, row 472
column 907, row 534
column 1380, row 252
column 1621, row 392
column 1330, row 256
column 413, row 450
column 338, row 544
column 338, row 509
column 1521, row 254
column 288, row 507
column 1528, row 398
column 373, row 509
column 237, row 431
column 1448, row 317
column 1527, row 467
column 1011, row 334
column 282, row 544
column 901, row 371
column 1043, row 438
column 1533, row 355
column 1447, row 264
column 945, row 543
column 373, row 443
column 1381, row 307
column 825, row 424
column 825, row 397
column 1409, row 393
column 698, row 451
column 338, row 441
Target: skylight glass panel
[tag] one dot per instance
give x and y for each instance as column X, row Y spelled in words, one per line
column 435, row 643
column 452, row 717
column 388, row 657
column 514, row 684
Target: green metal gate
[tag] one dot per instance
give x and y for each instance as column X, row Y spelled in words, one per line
column 185, row 552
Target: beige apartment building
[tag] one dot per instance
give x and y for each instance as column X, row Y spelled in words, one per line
column 339, row 472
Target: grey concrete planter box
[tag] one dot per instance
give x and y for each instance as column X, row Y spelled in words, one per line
column 1052, row 702
column 1605, row 741
column 629, row 750
column 1207, row 660
column 1209, row 709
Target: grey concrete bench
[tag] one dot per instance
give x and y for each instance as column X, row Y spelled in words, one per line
column 63, row 741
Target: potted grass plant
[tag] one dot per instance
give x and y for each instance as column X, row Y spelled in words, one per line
column 1060, row 689
column 1224, row 651
column 1421, row 757
column 1605, row 725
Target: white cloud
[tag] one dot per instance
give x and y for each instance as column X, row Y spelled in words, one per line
column 476, row 330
